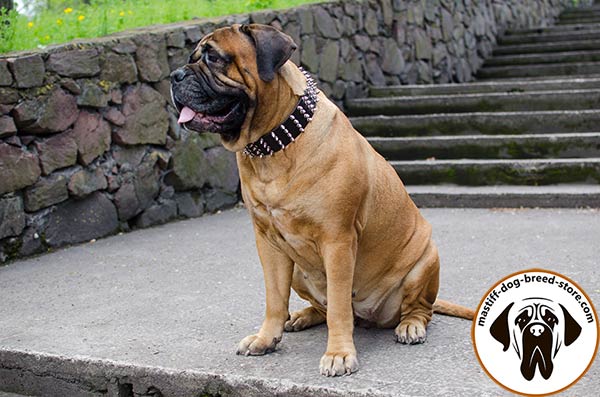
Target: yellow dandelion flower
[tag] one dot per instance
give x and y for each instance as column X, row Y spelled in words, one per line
column 130, row 12
column 122, row 14
column 47, row 38
column 30, row 24
column 81, row 18
column 59, row 22
column 68, row 10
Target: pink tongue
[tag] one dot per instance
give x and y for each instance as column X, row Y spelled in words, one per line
column 186, row 115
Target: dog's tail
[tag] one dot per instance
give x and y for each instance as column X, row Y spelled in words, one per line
column 452, row 309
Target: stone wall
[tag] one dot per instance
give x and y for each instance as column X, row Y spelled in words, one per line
column 89, row 143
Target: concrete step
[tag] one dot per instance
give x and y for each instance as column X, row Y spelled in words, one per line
column 480, row 102
column 572, row 145
column 486, row 123
column 506, row 196
column 554, row 69
column 554, row 57
column 470, row 172
column 581, row 12
column 579, row 20
column 595, row 7
column 550, row 37
column 550, row 84
column 159, row 311
column 578, row 45
column 557, row 28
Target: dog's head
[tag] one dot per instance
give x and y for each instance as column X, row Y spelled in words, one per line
column 537, row 329
column 230, row 85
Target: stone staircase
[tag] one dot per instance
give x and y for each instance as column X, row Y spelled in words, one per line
column 527, row 133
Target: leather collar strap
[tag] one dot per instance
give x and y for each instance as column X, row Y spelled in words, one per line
column 294, row 125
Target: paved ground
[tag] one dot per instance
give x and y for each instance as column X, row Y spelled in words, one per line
column 163, row 309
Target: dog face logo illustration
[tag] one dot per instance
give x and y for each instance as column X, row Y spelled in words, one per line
column 536, row 332
column 537, row 328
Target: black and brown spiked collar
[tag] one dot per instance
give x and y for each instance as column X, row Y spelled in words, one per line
column 286, row 133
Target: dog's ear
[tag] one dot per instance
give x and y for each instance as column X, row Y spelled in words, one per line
column 572, row 327
column 499, row 328
column 273, row 48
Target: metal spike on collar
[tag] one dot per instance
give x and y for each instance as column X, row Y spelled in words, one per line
column 296, row 123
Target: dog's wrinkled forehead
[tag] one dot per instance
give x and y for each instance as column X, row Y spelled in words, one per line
column 228, row 43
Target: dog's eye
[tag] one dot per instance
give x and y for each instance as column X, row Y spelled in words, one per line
column 212, row 57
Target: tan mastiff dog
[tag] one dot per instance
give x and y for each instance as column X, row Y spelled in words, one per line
column 331, row 217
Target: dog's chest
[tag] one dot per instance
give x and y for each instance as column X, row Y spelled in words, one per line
column 290, row 230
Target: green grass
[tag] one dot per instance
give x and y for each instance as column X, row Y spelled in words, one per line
column 66, row 22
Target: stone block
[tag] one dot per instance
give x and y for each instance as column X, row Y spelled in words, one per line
column 71, row 86
column 75, row 63
column 92, row 135
column 51, row 113
column 329, row 60
column 423, row 47
column 46, row 192
column 146, row 117
column 84, row 182
column 151, row 58
column 223, row 172
column 309, row 57
column 371, row 23
column 7, row 126
column 114, row 116
column 193, row 34
column 190, row 168
column 393, row 61
column 6, row 78
column 325, row 24
column 218, row 200
column 305, row 16
column 77, row 221
column 12, row 216
column 18, row 168
column 124, row 46
column 129, row 155
column 157, row 214
column 190, row 204
column 31, row 242
column 8, row 96
column 93, row 96
column 119, row 68
column 56, row 152
column 138, row 190
column 28, row 71
column 176, row 38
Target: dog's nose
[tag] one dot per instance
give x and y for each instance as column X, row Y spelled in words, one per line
column 536, row 330
column 178, row 75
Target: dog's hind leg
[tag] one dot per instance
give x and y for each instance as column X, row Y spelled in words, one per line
column 419, row 290
column 303, row 319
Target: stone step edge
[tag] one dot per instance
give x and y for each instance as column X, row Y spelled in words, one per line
column 556, row 65
column 555, row 28
column 542, row 56
column 544, row 48
column 475, row 95
column 447, row 138
column 34, row 371
column 483, row 114
column 502, row 86
column 498, row 162
column 506, row 196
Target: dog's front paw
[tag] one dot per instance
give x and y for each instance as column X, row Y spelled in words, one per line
column 411, row 331
column 256, row 345
column 338, row 363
